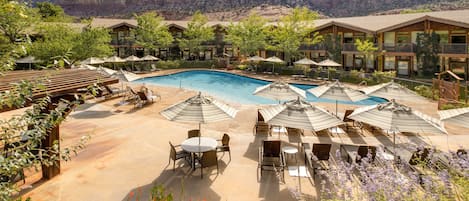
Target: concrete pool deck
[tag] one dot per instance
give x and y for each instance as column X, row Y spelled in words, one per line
column 128, row 154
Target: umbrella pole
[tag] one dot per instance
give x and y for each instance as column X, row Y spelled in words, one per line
column 200, row 133
column 336, row 107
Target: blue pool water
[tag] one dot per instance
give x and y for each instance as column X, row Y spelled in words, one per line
column 231, row 87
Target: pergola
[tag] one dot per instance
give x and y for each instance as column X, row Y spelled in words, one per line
column 59, row 85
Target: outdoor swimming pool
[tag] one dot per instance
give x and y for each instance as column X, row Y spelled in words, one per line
column 231, row 87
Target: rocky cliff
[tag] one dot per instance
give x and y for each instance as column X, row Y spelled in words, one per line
column 182, row 8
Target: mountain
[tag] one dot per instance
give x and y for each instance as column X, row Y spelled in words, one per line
column 179, row 9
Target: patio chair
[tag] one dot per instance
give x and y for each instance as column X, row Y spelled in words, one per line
column 132, row 96
column 176, row 155
column 261, row 127
column 113, row 91
column 147, row 95
column 208, row 159
column 318, row 157
column 271, row 156
column 193, row 133
column 354, row 153
column 225, row 145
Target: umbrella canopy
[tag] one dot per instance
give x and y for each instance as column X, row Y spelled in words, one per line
column 337, row 91
column 106, row 71
column 89, row 67
column 300, row 114
column 274, row 59
column 458, row 116
column 133, row 58
column 305, row 61
column 256, row 58
column 199, row 109
column 114, row 59
column 396, row 117
column 149, row 58
column 92, row 60
column 280, row 91
column 28, row 60
column 392, row 90
column 329, row 62
column 126, row 76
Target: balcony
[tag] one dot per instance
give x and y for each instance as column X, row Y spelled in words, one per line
column 459, row 48
column 318, row 46
column 399, row 47
column 349, row 47
column 122, row 42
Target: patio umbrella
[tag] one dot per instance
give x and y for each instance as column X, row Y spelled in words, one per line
column 338, row 92
column 329, row 63
column 274, row 59
column 92, row 60
column 301, row 115
column 392, row 90
column 89, row 67
column 199, row 109
column 106, row 71
column 133, row 59
column 149, row 58
column 28, row 60
column 280, row 91
column 255, row 58
column 459, row 116
column 395, row 117
column 126, row 76
column 114, row 60
column 305, row 62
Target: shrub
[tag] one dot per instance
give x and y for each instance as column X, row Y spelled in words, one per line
column 382, row 77
column 242, row 66
column 424, row 91
column 167, row 64
column 353, row 76
column 196, row 64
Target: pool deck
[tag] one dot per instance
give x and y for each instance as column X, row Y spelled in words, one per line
column 128, row 154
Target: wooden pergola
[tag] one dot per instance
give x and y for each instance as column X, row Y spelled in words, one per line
column 59, row 85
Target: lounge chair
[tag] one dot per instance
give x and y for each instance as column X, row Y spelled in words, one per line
column 355, row 124
column 113, row 91
column 354, row 153
column 147, row 95
column 318, row 157
column 193, row 133
column 271, row 156
column 225, row 145
column 208, row 159
column 177, row 154
column 261, row 127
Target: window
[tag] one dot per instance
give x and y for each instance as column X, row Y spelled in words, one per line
column 348, row 38
column 458, row 39
column 443, row 36
column 403, row 37
column 389, row 38
column 389, row 63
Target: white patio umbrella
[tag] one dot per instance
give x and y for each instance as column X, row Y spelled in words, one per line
column 274, row 59
column 395, row 117
column 459, row 116
column 133, row 59
column 126, row 76
column 89, row 67
column 255, row 58
column 280, row 91
column 149, row 58
column 329, row 63
column 92, row 60
column 305, row 61
column 392, row 90
column 199, row 109
column 338, row 92
column 106, row 71
column 300, row 114
column 114, row 59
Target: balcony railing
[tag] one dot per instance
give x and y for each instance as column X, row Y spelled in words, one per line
column 318, row 46
column 122, row 42
column 459, row 48
column 399, row 47
column 349, row 47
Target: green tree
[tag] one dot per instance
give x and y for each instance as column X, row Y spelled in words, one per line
column 93, row 42
column 419, row 10
column 333, row 47
column 367, row 48
column 152, row 32
column 292, row 31
column 196, row 33
column 50, row 12
column 426, row 52
column 15, row 19
column 248, row 35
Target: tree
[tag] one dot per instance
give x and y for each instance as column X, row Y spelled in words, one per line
column 426, row 52
column 248, row 35
column 333, row 47
column 367, row 48
column 15, row 18
column 50, row 12
column 196, row 33
column 93, row 42
column 292, row 31
column 152, row 32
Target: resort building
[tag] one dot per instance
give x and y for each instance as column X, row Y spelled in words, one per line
column 395, row 36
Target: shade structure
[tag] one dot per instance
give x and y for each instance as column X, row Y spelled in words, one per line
column 92, row 60
column 392, row 90
column 149, row 58
column 300, row 114
column 133, row 58
column 114, row 59
column 329, row 63
column 459, row 116
column 274, row 59
column 126, row 76
column 395, row 117
column 305, row 61
column 255, row 58
column 199, row 109
column 337, row 91
column 106, row 71
column 89, row 67
column 280, row 91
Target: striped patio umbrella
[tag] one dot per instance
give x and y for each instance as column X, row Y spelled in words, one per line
column 280, row 91
column 300, row 114
column 395, row 117
column 338, row 92
column 199, row 109
column 392, row 90
column 92, row 60
column 459, row 116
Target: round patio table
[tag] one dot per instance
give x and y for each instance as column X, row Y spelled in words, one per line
column 195, row 145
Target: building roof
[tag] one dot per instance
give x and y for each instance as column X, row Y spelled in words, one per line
column 367, row 24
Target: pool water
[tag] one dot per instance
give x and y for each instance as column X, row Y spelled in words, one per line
column 231, row 87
